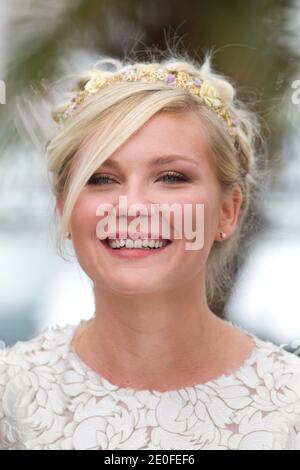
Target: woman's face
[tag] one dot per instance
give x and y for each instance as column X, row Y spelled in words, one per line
column 188, row 179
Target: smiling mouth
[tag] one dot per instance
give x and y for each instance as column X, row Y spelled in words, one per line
column 136, row 245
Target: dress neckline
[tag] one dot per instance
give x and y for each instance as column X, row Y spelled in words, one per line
column 220, row 380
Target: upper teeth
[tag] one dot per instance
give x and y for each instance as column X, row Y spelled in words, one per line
column 128, row 243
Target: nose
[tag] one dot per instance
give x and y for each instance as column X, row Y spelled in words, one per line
column 136, row 202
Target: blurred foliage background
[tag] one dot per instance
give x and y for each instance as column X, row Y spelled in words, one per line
column 256, row 43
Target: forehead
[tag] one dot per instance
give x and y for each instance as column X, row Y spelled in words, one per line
column 166, row 137
column 167, row 133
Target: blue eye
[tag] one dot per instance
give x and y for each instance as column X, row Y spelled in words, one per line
column 175, row 177
column 169, row 177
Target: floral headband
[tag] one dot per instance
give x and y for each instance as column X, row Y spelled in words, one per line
column 169, row 75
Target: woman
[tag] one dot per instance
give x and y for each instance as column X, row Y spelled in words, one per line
column 154, row 368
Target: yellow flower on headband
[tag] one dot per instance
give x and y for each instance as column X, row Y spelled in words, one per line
column 210, row 95
column 208, row 90
column 93, row 85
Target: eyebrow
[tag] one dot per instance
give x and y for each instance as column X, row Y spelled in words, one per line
column 160, row 160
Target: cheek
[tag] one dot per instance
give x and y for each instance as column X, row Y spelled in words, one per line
column 84, row 218
column 205, row 217
column 210, row 219
column 196, row 251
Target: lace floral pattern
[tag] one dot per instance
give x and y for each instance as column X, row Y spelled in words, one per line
column 50, row 400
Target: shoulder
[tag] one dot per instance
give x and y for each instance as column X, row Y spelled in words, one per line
column 40, row 350
column 272, row 374
column 278, row 359
column 272, row 366
column 282, row 373
column 27, row 374
column 266, row 392
column 277, row 378
column 287, row 354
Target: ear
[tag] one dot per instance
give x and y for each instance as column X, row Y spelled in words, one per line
column 229, row 211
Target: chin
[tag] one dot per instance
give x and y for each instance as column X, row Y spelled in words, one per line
column 133, row 285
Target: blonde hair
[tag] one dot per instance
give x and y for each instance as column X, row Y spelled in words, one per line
column 121, row 110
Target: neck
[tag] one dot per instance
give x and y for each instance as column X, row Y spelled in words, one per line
column 146, row 339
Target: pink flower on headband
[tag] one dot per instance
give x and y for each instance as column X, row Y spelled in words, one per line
column 170, row 80
column 198, row 81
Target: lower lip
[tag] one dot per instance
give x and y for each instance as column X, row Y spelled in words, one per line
column 133, row 252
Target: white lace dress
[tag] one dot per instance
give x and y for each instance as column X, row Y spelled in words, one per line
column 50, row 399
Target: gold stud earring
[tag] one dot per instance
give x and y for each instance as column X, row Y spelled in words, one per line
column 223, row 235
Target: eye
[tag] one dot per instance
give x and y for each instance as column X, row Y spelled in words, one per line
column 169, row 177
column 173, row 176
column 100, row 178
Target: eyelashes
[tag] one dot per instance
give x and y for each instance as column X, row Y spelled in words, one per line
column 103, row 179
column 178, row 177
column 99, row 179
